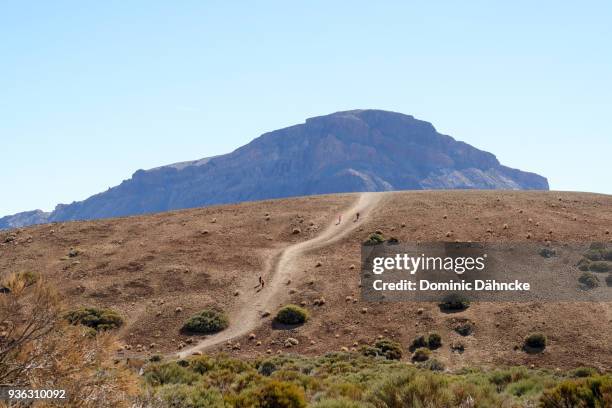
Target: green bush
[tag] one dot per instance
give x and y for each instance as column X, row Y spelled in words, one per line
column 374, row 239
column 584, row 264
column 465, row 328
column 266, row 368
column 583, row 372
column 609, row 280
column 592, row 392
column 434, row 341
column 525, row 386
column 593, row 255
column 292, row 314
column 455, row 302
column 389, row 349
column 547, row 252
column 421, row 354
column 168, row 373
column 434, row 365
column 535, row 341
column 97, row 319
column 208, row 321
column 338, row 403
column 184, row 396
column 600, row 266
column 588, row 280
column 418, row 342
column 272, row 394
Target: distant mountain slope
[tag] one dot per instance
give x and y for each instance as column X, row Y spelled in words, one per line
column 361, row 150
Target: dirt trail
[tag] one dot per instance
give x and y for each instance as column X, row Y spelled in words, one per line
column 248, row 315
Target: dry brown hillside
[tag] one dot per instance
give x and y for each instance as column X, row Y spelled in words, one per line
column 156, row 270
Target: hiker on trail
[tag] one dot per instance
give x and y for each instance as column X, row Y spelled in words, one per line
column 356, row 217
column 261, row 282
column 339, row 219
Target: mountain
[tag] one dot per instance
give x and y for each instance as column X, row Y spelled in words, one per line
column 360, row 150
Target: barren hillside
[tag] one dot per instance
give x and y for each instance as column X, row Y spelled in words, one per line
column 157, row 270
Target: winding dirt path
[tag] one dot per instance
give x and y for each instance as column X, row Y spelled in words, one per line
column 248, row 315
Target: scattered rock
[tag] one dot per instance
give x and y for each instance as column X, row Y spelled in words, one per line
column 214, row 220
column 318, row 264
column 364, row 310
column 265, row 314
column 296, row 231
column 178, row 309
column 252, row 336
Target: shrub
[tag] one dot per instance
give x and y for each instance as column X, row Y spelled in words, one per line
column 156, row 358
column 421, row 354
column 607, row 254
column 535, row 341
column 374, row 239
column 547, row 252
column 434, row 341
column 418, row 342
column 339, row 403
column 525, row 386
column 465, row 328
column 29, row 278
column 272, row 394
column 501, row 379
column 455, row 302
column 98, row 319
column 183, row 396
column 208, row 321
column 582, row 372
column 292, row 314
column 592, row 392
column 593, row 255
column 584, row 264
column 266, row 368
column 369, row 351
column 600, row 266
column 588, row 280
column 390, row 349
column 169, row 373
column 609, row 280
column 434, row 365
column 393, row 241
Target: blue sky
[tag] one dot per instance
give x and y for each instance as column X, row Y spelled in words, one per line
column 92, row 91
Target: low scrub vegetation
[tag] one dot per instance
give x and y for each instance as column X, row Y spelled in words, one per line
column 292, row 314
column 374, row 239
column 588, row 280
column 535, row 341
column 454, row 302
column 348, row 380
column 208, row 321
column 97, row 319
column 389, row 349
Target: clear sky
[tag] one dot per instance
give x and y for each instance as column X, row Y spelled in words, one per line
column 92, row 91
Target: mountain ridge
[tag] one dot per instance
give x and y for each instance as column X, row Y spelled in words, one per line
column 347, row 151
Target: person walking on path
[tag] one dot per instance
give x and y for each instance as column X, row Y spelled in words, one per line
column 356, row 217
column 339, row 219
